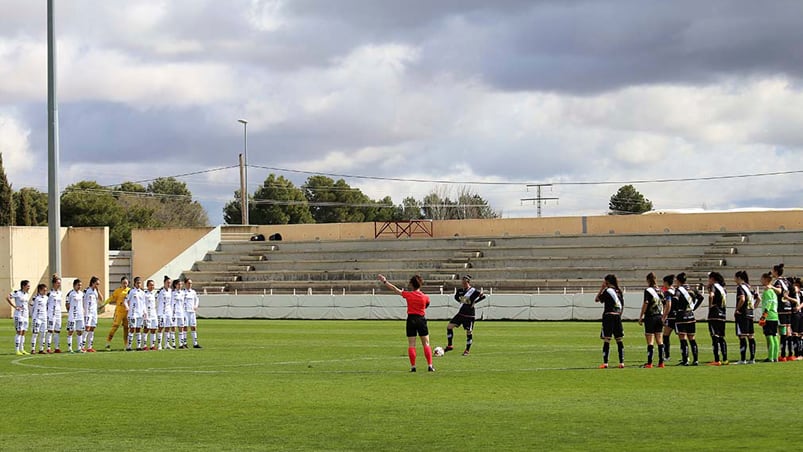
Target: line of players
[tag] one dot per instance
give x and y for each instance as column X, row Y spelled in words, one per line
column 671, row 308
column 170, row 310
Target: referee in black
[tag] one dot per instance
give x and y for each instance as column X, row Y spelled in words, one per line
column 467, row 296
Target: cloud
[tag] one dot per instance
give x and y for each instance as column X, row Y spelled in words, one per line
column 14, row 146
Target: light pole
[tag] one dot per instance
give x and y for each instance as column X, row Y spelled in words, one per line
column 244, row 195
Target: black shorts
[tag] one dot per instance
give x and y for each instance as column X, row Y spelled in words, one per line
column 466, row 322
column 771, row 328
column 716, row 328
column 744, row 326
column 612, row 326
column 797, row 323
column 686, row 328
column 785, row 319
column 653, row 325
column 670, row 322
column 417, row 325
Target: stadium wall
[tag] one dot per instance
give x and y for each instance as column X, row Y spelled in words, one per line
column 25, row 255
column 655, row 223
column 392, row 307
column 154, row 249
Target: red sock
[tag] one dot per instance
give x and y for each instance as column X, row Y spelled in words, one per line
column 411, row 354
column 428, row 354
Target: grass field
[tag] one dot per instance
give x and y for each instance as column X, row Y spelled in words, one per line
column 344, row 385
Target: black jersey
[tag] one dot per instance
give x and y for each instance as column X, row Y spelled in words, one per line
column 685, row 305
column 747, row 309
column 669, row 297
column 716, row 311
column 467, row 299
column 784, row 305
column 654, row 302
column 612, row 301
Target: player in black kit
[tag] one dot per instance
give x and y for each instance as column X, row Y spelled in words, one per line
column 743, row 316
column 717, row 316
column 685, row 323
column 652, row 315
column 611, row 297
column 670, row 311
column 467, row 296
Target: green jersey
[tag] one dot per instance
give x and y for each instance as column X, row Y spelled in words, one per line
column 769, row 303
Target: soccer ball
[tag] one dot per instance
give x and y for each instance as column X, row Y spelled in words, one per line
column 437, row 351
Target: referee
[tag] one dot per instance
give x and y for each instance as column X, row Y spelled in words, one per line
column 417, row 303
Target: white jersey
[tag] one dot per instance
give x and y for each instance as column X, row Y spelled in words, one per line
column 164, row 303
column 91, row 302
column 75, row 299
column 39, row 308
column 178, row 303
column 150, row 305
column 135, row 301
column 54, row 304
column 190, row 300
column 20, row 302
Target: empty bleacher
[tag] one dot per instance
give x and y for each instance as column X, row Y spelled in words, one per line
column 502, row 264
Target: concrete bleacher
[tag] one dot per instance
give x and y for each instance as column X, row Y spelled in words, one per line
column 518, row 264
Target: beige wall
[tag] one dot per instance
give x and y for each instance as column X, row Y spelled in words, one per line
column 24, row 254
column 152, row 249
column 607, row 224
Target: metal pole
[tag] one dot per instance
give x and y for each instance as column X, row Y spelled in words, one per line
column 53, row 198
column 243, row 201
column 245, row 153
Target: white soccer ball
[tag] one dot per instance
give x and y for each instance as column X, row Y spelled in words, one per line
column 437, row 351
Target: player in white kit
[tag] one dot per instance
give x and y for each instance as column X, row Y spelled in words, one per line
column 179, row 321
column 164, row 309
column 20, row 307
column 91, row 297
column 151, row 319
column 75, row 316
column 54, row 315
column 135, row 303
column 39, row 318
column 190, row 307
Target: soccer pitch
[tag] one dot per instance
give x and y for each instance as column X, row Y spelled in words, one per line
column 344, row 385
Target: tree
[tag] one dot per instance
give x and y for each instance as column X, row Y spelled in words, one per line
column 6, row 198
column 30, row 207
column 411, row 209
column 627, row 200
column 469, row 205
column 337, row 202
column 276, row 201
column 89, row 204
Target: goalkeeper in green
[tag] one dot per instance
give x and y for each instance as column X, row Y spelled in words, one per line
column 467, row 296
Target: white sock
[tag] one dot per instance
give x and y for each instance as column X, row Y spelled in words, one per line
column 49, row 338
column 17, row 342
column 139, row 340
column 130, row 338
column 69, row 341
column 161, row 338
column 153, row 340
column 92, row 339
column 81, row 341
column 57, row 334
column 194, row 337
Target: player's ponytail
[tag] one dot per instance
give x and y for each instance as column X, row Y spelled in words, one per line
column 718, row 278
column 681, row 277
column 93, row 280
column 651, row 279
column 54, row 278
column 612, row 281
column 778, row 269
column 416, row 282
column 669, row 280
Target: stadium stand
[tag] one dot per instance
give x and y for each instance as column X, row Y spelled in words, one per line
column 537, row 264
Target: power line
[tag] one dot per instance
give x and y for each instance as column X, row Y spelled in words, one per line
column 176, row 176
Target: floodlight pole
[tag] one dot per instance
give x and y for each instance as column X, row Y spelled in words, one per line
column 244, row 194
column 53, row 199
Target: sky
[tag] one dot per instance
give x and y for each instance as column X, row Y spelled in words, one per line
column 495, row 94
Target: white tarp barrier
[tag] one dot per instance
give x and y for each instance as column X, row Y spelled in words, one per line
column 392, row 307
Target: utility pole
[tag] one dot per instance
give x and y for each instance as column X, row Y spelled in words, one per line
column 538, row 198
column 53, row 199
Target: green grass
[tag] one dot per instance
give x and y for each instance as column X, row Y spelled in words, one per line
column 344, row 385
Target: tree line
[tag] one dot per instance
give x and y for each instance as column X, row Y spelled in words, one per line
column 321, row 199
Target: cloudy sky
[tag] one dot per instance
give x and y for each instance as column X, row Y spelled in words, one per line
column 507, row 91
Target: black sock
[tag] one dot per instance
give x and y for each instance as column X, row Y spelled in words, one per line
column 799, row 346
column 469, row 341
column 684, row 350
column 723, row 347
column 650, row 349
column 666, row 346
column 715, row 347
column 752, row 342
column 449, row 336
column 621, row 346
column 606, row 349
column 783, row 346
column 743, row 348
column 694, row 350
